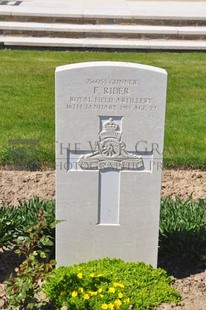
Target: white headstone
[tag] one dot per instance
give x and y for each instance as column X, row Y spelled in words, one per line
column 109, row 144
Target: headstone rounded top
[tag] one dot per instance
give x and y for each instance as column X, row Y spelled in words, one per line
column 111, row 64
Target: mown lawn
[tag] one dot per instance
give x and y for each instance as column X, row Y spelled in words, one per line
column 27, row 100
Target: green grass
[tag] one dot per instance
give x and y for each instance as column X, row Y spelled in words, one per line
column 27, row 100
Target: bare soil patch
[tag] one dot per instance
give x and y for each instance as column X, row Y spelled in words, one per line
column 190, row 281
column 18, row 185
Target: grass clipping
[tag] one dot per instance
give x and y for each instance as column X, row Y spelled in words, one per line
column 109, row 284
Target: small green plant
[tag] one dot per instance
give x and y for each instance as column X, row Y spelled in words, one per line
column 183, row 229
column 13, row 220
column 109, row 284
column 25, row 287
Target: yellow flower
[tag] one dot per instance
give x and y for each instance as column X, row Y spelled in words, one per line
column 104, row 306
column 112, row 290
column 120, row 295
column 74, row 294
column 92, row 293
column 117, row 304
column 86, row 296
column 101, row 295
column 99, row 290
column 92, row 275
column 79, row 275
column 116, row 284
column 80, row 290
column 110, row 306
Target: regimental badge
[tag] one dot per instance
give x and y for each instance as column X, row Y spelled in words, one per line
column 111, row 152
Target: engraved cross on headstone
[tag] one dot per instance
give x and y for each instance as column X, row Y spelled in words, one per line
column 109, row 159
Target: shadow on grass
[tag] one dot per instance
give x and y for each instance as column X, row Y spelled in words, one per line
column 176, row 267
column 183, row 253
column 180, row 269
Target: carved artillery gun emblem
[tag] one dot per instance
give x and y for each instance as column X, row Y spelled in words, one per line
column 111, row 152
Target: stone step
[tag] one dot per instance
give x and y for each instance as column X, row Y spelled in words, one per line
column 102, row 43
column 36, row 17
column 117, row 24
column 88, row 30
